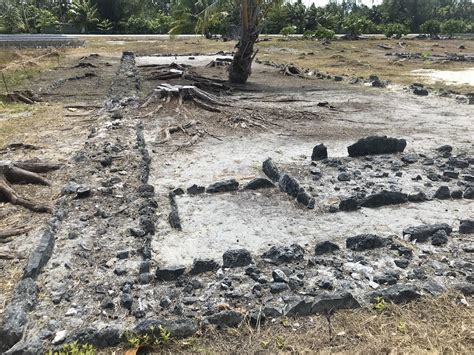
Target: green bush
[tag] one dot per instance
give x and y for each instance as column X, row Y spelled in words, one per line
column 452, row 26
column 10, row 18
column 144, row 25
column 354, row 25
column 431, row 27
column 323, row 33
column 137, row 24
column 395, row 30
column 46, row 19
column 288, row 30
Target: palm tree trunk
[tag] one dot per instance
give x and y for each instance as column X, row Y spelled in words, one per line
column 241, row 67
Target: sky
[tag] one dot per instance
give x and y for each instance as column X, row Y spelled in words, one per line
column 324, row 2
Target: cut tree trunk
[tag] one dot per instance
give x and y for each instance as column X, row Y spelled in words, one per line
column 23, row 173
column 182, row 93
column 241, row 66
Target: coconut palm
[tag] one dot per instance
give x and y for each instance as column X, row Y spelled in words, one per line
column 253, row 13
column 84, row 14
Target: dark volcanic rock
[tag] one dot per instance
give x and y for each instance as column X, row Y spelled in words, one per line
column 445, row 150
column 409, row 158
column 320, row 152
column 279, row 276
column 223, row 186
column 384, row 198
column 236, row 258
column 169, row 273
column 376, row 145
column 439, row 238
column 305, row 199
column 224, row 319
column 402, row 263
column 103, row 338
column 324, row 304
column 468, row 193
column 270, row 169
column 456, row 194
column 344, row 177
column 349, row 204
column 259, row 183
column 365, row 242
column 276, row 287
column 289, row 185
column 451, row 174
column 203, row 265
column 401, row 293
column 279, row 254
column 175, row 220
column 325, row 248
column 195, row 189
column 387, row 278
column 423, row 232
column 419, row 196
column 443, row 193
column 420, row 91
column 15, row 317
column 466, row 226
column 40, row 256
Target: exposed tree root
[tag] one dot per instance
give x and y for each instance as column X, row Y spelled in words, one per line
column 173, row 129
column 25, row 96
column 183, row 93
column 219, row 62
column 293, row 70
column 150, row 114
column 23, row 173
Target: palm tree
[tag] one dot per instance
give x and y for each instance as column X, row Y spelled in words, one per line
column 83, row 13
column 253, row 13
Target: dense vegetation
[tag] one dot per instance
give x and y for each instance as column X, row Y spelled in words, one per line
column 392, row 17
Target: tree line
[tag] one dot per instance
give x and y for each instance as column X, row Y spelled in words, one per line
column 392, row 17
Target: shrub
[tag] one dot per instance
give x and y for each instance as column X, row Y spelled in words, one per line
column 46, row 19
column 395, row 30
column 452, row 26
column 432, row 27
column 288, row 30
column 10, row 18
column 323, row 33
column 137, row 24
column 355, row 25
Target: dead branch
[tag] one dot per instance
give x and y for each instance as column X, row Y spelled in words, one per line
column 13, row 232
